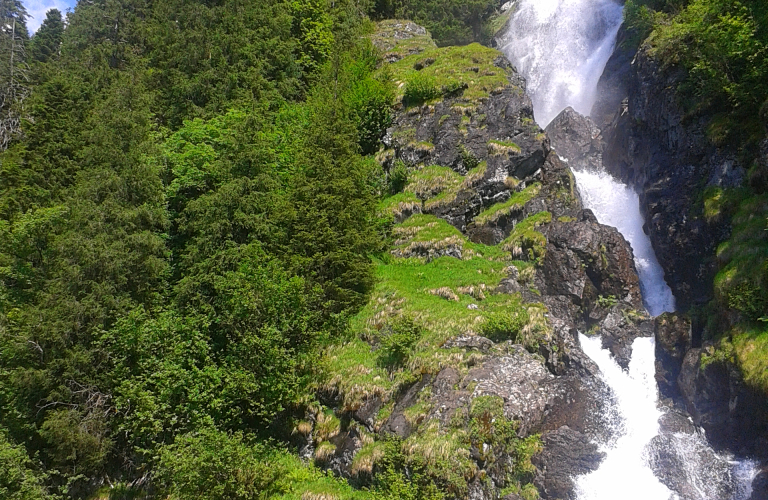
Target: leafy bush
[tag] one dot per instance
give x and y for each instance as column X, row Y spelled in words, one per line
column 504, row 325
column 19, row 478
column 211, row 465
column 420, row 88
column 399, row 337
column 639, row 22
column 398, row 177
column 370, row 99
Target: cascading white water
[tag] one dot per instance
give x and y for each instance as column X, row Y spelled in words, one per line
column 628, row 469
column 561, row 47
column 617, row 205
column 625, row 473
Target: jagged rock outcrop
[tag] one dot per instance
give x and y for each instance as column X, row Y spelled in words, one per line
column 666, row 156
column 477, row 160
column 578, row 139
column 673, row 340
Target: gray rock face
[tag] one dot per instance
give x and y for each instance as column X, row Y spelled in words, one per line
column 522, row 381
column 673, row 340
column 613, row 86
column 567, row 453
column 576, row 138
column 650, row 146
column 734, row 416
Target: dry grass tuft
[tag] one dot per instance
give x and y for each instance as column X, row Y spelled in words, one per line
column 446, row 293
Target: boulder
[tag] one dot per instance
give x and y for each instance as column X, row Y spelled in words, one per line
column 585, row 260
column 567, row 453
column 576, row 138
column 673, row 340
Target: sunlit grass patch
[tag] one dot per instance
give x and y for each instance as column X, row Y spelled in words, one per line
column 525, row 241
column 516, row 202
column 432, row 180
column 451, row 69
column 751, row 350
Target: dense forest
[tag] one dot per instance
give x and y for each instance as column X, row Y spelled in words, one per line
column 188, row 218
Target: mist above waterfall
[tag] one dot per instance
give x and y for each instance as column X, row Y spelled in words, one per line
column 562, row 47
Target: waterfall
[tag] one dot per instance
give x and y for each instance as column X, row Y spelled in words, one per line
column 561, row 47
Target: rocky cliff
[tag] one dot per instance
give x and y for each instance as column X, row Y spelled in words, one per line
column 468, row 354
column 672, row 160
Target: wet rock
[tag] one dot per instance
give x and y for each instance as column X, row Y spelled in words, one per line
column 760, row 486
column 613, row 86
column 675, row 422
column 566, row 454
column 687, row 465
column 576, row 138
column 619, row 329
column 666, row 155
column 585, row 260
column 673, row 339
column 733, row 415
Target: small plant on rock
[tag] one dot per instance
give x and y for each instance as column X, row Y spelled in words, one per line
column 420, row 88
column 398, row 338
column 505, row 325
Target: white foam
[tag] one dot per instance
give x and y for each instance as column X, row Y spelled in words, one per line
column 562, row 47
column 625, row 473
column 617, row 205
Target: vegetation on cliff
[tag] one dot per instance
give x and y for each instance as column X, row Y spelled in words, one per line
column 722, row 46
column 194, row 254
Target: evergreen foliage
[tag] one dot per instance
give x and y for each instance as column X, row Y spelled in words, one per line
column 186, row 218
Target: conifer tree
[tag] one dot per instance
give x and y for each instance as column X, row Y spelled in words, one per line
column 47, row 41
column 14, row 75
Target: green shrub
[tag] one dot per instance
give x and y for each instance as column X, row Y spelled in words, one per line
column 399, row 337
column 398, row 177
column 468, row 159
column 212, row 465
column 420, row 88
column 505, row 325
column 638, row 21
column 19, row 479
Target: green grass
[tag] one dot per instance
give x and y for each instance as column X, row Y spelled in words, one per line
column 525, row 240
column 516, row 202
column 455, row 67
column 751, row 349
column 452, row 189
column 497, row 148
column 433, row 180
column 398, row 203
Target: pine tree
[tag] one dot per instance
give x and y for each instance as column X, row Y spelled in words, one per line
column 14, row 76
column 47, row 41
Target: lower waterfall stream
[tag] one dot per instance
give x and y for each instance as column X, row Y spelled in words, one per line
column 561, row 47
